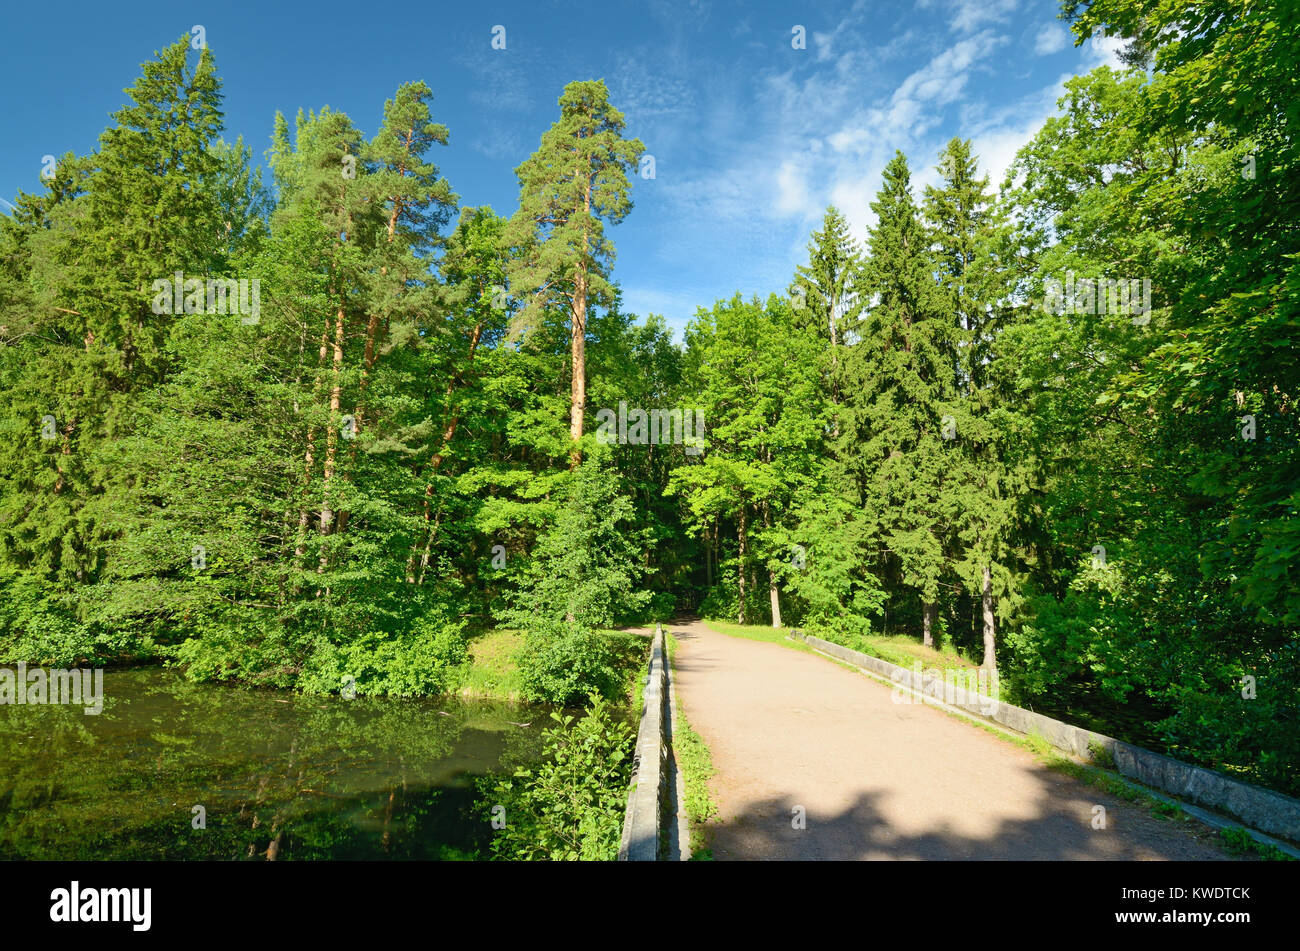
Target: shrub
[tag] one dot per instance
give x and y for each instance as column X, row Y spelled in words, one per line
column 572, row 805
column 563, row 663
column 584, row 567
column 429, row 660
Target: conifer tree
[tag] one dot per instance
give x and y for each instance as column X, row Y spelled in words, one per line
column 824, row 289
column 568, row 188
column 966, row 231
column 898, row 386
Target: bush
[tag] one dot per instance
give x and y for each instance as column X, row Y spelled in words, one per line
column 662, row 607
column 565, row 663
column 246, row 648
column 570, row 807
column 428, row 661
column 722, row 602
column 38, row 624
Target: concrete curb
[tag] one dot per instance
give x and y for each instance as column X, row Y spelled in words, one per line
column 1261, row 809
column 650, row 797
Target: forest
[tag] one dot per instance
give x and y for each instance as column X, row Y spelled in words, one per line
column 325, row 424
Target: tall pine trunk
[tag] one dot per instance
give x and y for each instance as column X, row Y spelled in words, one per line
column 309, row 455
column 578, row 391
column 332, row 438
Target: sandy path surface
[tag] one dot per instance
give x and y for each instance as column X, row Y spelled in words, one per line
column 882, row 780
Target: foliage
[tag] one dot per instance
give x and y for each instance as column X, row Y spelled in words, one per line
column 572, row 805
column 566, row 662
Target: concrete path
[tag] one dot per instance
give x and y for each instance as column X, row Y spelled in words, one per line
column 882, row 780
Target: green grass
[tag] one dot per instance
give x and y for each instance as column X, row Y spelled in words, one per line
column 492, row 672
column 1238, row 842
column 900, row 649
column 696, row 763
column 904, row 650
column 1167, row 810
column 759, row 632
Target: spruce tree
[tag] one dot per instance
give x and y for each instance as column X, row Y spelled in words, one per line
column 824, row 290
column 967, row 232
column 898, row 386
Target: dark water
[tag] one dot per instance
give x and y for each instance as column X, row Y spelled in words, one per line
column 307, row 778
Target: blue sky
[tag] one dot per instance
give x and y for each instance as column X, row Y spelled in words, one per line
column 751, row 137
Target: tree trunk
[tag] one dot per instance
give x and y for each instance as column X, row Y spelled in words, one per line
column 708, row 556
column 65, row 450
column 578, row 395
column 776, row 599
column 304, row 515
column 578, row 391
column 990, row 628
column 773, row 594
column 741, row 534
column 332, row 438
column 928, row 611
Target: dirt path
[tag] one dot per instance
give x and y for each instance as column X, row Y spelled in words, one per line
column 883, row 780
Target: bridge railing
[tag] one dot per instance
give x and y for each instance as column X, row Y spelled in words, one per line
column 650, row 824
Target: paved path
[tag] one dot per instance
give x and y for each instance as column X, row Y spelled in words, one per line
column 883, row 780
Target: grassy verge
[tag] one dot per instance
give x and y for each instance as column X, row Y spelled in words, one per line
column 904, row 651
column 492, row 672
column 696, row 764
column 759, row 632
column 895, row 648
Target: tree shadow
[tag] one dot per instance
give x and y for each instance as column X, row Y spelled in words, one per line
column 1061, row 830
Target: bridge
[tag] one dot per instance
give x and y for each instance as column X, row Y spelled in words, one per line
column 823, row 753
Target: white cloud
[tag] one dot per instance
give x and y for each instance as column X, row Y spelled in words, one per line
column 996, row 138
column 1052, row 38
column 792, row 190
column 774, row 148
column 969, row 14
column 1103, row 50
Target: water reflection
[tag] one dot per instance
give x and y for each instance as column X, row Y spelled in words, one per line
column 278, row 776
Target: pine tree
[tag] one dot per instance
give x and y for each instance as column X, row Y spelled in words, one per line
column 575, row 181
column 136, row 211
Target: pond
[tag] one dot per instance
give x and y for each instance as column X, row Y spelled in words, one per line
column 275, row 774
